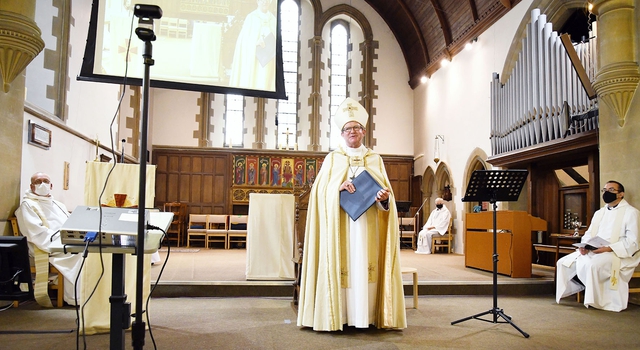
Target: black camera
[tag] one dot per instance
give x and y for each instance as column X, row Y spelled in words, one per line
column 147, row 11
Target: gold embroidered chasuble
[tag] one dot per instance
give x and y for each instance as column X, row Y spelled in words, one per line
column 325, row 257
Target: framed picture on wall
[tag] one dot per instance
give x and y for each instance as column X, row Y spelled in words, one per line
column 39, row 135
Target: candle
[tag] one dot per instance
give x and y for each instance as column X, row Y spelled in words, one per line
column 97, row 147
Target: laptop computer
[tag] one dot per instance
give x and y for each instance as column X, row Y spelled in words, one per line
column 119, row 226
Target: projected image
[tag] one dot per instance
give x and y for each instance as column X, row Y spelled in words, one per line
column 223, row 43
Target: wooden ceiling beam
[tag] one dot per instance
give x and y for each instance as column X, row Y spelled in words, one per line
column 416, row 28
column 506, row 3
column 446, row 30
column 474, row 10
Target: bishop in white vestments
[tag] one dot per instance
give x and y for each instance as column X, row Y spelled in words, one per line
column 351, row 268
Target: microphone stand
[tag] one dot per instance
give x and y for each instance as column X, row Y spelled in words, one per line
column 146, row 34
column 418, row 211
column 416, row 224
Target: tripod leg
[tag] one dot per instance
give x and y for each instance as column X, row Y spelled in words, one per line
column 508, row 319
column 472, row 317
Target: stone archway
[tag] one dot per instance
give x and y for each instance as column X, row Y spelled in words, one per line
column 476, row 161
column 428, row 178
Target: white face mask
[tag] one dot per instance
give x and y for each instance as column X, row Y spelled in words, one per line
column 43, row 189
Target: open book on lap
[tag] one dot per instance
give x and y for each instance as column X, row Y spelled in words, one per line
column 593, row 243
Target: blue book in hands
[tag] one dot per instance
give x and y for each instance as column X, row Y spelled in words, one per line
column 356, row 203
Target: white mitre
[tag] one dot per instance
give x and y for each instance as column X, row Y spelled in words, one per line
column 350, row 110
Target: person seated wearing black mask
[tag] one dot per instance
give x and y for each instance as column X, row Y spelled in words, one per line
column 437, row 224
column 603, row 271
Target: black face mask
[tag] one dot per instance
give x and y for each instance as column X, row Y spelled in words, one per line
column 439, row 206
column 609, row 197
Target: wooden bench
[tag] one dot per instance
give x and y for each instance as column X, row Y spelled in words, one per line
column 553, row 249
column 557, row 250
column 570, row 249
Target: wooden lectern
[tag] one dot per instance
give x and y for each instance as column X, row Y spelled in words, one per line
column 513, row 241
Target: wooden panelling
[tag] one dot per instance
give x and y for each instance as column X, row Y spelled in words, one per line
column 542, row 161
column 196, row 177
column 399, row 171
column 203, row 178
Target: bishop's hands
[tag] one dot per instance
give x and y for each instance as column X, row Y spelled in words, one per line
column 383, row 195
column 584, row 250
column 348, row 186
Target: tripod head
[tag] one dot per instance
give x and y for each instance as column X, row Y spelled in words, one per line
column 146, row 15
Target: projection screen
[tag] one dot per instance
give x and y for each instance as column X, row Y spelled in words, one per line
column 221, row 46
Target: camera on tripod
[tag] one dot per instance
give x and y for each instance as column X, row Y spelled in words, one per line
column 147, row 11
column 146, row 15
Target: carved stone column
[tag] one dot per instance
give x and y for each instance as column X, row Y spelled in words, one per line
column 618, row 76
column 260, row 130
column 20, row 42
column 315, row 98
column 368, row 88
column 204, row 119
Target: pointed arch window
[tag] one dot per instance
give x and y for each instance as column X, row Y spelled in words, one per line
column 234, row 120
column 287, row 113
column 339, row 72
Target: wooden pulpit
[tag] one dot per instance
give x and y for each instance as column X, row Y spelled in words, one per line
column 513, row 241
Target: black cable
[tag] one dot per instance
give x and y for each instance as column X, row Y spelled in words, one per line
column 77, row 307
column 164, row 235
column 7, row 307
column 124, row 84
column 13, row 278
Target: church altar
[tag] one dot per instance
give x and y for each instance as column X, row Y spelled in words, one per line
column 270, row 230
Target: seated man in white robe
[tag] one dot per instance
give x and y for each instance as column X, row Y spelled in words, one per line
column 604, row 273
column 437, row 224
column 40, row 218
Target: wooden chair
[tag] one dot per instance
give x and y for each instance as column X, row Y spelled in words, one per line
column 237, row 230
column 443, row 241
column 408, row 232
column 302, row 205
column 175, row 232
column 217, row 230
column 56, row 279
column 183, row 28
column 172, row 27
column 197, row 229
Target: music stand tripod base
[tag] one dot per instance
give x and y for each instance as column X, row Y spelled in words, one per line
column 494, row 186
column 496, row 314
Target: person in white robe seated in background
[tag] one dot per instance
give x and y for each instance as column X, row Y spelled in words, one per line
column 437, row 224
column 604, row 273
column 39, row 219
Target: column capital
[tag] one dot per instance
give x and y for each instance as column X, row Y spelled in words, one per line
column 20, row 43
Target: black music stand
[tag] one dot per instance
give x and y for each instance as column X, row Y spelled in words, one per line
column 495, row 186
